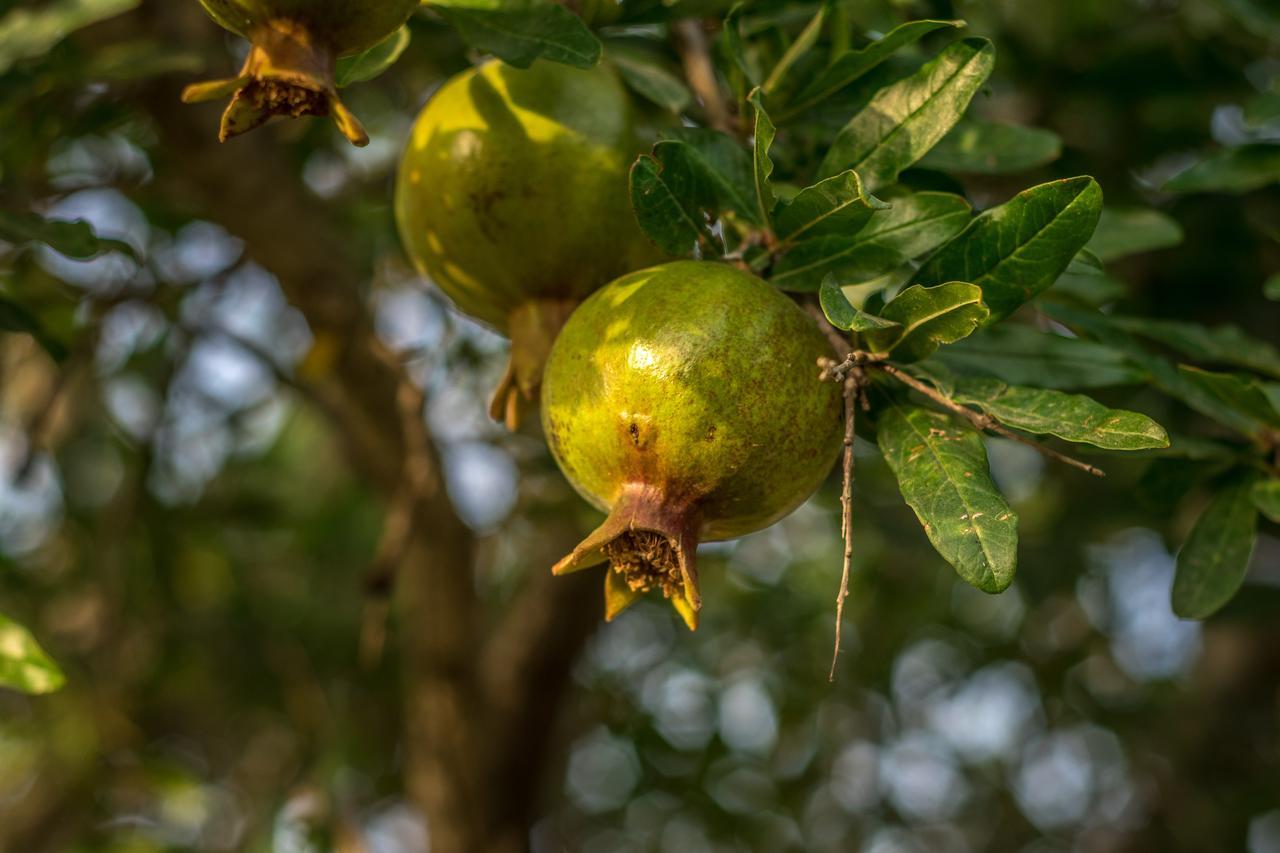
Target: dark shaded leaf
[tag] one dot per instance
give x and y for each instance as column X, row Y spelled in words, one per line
column 795, row 52
column 1085, row 279
column 1128, row 231
column 1242, row 394
column 837, row 206
column 650, row 75
column 1266, row 497
column 763, row 141
column 942, row 473
column 29, row 32
column 1216, row 345
column 1212, row 563
column 520, row 31
column 1022, row 355
column 368, row 64
column 1017, row 250
column 1234, row 170
column 76, row 240
column 841, row 313
column 929, row 317
column 727, row 166
column 671, row 198
column 993, row 148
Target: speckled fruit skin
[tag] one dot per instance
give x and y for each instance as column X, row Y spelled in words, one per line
column 687, row 398
column 346, row 26
column 514, row 187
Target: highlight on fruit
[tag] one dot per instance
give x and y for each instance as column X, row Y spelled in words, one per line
column 684, row 401
column 512, row 197
column 291, row 64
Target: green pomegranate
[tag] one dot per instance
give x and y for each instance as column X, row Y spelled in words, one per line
column 296, row 46
column 512, row 197
column 686, row 402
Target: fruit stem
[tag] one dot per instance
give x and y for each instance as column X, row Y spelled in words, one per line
column 533, row 327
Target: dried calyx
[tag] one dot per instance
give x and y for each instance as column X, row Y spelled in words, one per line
column 287, row 73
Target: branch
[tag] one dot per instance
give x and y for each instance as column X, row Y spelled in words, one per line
column 695, row 54
column 852, row 390
column 980, row 421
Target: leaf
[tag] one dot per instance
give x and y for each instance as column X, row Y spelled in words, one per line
column 801, row 46
column 854, row 64
column 1242, row 394
column 841, row 313
column 1072, row 417
column 1212, row 563
column 1021, row 355
column 1018, row 249
column 992, row 148
column 670, row 197
column 75, row 239
column 26, row 33
column 942, row 473
column 649, row 75
column 763, row 141
column 1271, row 288
column 929, row 317
column 368, row 64
column 905, row 119
column 1216, row 345
column 733, row 46
column 15, row 318
column 837, row 206
column 1129, row 231
column 726, row 165
column 1086, row 280
column 24, row 666
column 914, row 225
column 1266, row 497
column 1234, row 170
column 520, row 31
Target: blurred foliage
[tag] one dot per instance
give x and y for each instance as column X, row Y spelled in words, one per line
column 182, row 532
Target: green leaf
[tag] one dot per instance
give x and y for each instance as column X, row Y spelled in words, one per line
column 1018, row 249
column 15, row 318
column 1212, row 563
column 763, row 141
column 1262, row 109
column 76, row 240
column 801, row 46
column 1085, row 279
column 368, row 64
column 1072, row 417
column 992, row 148
column 1271, row 288
column 733, row 46
column 520, row 31
column 1241, row 394
column 837, row 206
column 726, row 166
column 26, row 33
column 1129, row 231
column 648, row 74
column 1021, row 355
column 929, row 317
column 1266, row 497
column 671, row 199
column 841, row 313
column 905, row 119
column 1234, row 170
column 24, row 665
column 1216, row 345
column 942, row 473
column 914, row 225
column 854, row 64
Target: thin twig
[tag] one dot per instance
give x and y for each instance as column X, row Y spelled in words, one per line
column 980, row 421
column 695, row 54
column 852, row 390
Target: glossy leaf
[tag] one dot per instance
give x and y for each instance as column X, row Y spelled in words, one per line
column 914, row 225
column 993, row 148
column 1228, row 345
column 649, row 75
column 520, row 31
column 905, row 119
column 942, row 473
column 1266, row 497
column 671, row 196
column 24, row 666
column 75, row 239
column 763, row 165
column 1021, row 355
column 1018, row 249
column 368, row 64
column 842, row 314
column 1233, row 170
column 1212, row 563
column 929, row 317
column 1072, row 417
column 28, row 32
column 854, row 64
column 837, row 206
column 1129, row 231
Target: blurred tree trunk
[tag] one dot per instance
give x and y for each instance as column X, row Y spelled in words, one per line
column 480, row 694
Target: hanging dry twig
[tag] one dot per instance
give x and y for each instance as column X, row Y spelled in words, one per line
column 695, row 54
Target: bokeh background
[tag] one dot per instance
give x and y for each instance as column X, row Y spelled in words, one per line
column 192, row 527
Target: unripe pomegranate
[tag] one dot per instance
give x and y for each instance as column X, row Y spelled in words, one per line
column 296, row 46
column 512, row 197
column 685, row 401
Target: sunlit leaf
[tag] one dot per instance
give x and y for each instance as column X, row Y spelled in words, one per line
column 27, row 32
column 837, row 206
column 1212, row 563
column 841, row 313
column 368, row 64
column 942, row 473
column 1018, row 249
column 24, row 665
